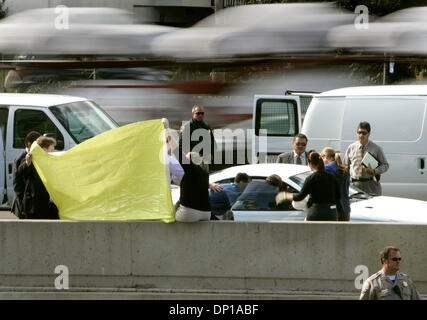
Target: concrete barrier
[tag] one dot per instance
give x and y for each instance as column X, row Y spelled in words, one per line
column 220, row 259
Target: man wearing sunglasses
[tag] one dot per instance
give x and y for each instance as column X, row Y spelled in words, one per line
column 365, row 178
column 197, row 136
column 389, row 283
column 298, row 155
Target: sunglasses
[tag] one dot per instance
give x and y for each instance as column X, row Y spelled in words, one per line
column 362, row 132
column 396, row 259
column 199, row 113
column 301, row 144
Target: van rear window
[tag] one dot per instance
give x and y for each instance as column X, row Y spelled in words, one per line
column 277, row 117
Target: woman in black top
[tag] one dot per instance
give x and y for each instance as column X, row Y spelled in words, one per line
column 194, row 198
column 323, row 190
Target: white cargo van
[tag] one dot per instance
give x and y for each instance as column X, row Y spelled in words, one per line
column 70, row 120
column 398, row 119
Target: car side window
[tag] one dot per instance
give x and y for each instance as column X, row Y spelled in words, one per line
column 278, row 117
column 32, row 120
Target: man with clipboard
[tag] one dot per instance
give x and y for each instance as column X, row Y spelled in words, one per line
column 366, row 161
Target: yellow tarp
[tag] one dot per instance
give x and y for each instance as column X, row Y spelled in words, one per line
column 117, row 175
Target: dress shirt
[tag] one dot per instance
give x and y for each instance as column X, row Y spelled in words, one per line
column 351, row 157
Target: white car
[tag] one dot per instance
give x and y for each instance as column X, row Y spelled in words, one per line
column 364, row 207
column 77, row 31
column 259, row 29
column 403, row 32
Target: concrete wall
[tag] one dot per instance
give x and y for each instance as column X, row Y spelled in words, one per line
column 209, row 259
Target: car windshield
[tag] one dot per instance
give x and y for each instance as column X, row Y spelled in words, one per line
column 300, row 178
column 83, row 119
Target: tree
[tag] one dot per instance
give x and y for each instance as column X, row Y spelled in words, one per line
column 380, row 7
column 3, row 10
column 376, row 7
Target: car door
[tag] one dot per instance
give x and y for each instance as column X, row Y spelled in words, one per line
column 276, row 120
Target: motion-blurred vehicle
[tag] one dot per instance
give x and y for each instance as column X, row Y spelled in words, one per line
column 76, row 31
column 364, row 207
column 403, row 32
column 251, row 30
column 70, row 120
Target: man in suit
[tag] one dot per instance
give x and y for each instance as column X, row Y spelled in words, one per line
column 298, row 155
column 18, row 179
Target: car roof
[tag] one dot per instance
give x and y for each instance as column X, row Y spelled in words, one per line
column 260, row 170
column 37, row 100
column 397, row 90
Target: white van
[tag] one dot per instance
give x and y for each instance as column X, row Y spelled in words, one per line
column 70, row 120
column 398, row 119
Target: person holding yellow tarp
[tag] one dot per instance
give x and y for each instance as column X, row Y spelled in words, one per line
column 117, row 175
column 36, row 203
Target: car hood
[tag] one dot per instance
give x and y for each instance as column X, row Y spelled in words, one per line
column 389, row 209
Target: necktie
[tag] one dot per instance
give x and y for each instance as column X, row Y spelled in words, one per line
column 358, row 164
column 299, row 160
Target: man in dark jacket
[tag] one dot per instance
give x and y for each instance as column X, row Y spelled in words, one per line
column 18, row 179
column 223, row 200
column 260, row 195
column 36, row 203
column 197, row 136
